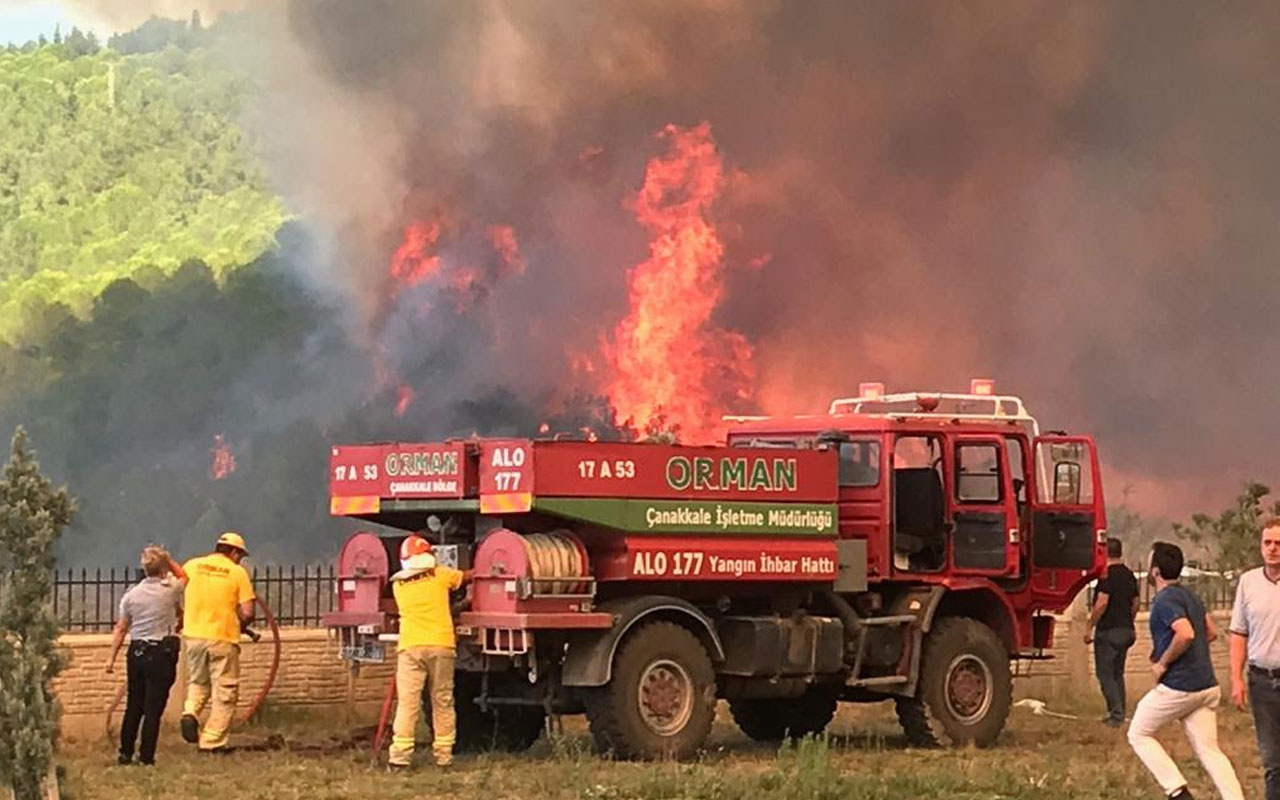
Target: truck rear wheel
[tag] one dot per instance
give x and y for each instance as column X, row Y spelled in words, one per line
column 660, row 702
column 965, row 688
column 511, row 729
column 775, row 719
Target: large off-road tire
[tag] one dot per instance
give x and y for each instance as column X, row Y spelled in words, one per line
column 661, row 699
column 965, row 688
column 511, row 729
column 775, row 719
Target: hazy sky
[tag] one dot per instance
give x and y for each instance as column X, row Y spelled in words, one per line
column 24, row 20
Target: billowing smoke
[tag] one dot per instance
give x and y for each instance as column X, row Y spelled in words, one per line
column 1074, row 199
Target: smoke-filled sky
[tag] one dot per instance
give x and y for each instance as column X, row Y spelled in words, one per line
column 1076, row 199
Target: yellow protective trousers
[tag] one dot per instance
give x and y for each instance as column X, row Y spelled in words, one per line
column 213, row 668
column 418, row 668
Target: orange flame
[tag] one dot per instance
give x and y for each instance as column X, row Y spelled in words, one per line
column 503, row 238
column 224, row 461
column 415, row 260
column 673, row 370
column 404, row 396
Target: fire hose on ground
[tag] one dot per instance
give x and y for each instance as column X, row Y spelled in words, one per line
column 256, row 704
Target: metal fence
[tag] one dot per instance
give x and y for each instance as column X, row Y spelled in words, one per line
column 1217, row 593
column 88, row 600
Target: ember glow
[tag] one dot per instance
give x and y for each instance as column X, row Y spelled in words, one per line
column 404, row 397
column 224, row 461
column 672, row 369
column 503, row 238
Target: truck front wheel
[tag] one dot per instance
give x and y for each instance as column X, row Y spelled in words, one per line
column 775, row 719
column 660, row 701
column 965, row 687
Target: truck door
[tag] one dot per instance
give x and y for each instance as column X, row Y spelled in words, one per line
column 984, row 514
column 1068, row 521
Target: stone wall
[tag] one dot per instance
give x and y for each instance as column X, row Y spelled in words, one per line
column 312, row 675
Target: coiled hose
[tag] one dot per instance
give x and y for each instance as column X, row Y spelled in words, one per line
column 558, row 554
column 256, row 704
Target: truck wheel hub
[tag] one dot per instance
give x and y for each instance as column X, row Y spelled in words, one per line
column 666, row 697
column 968, row 690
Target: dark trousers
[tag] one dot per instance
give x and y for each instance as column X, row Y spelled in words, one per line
column 152, row 668
column 1264, row 699
column 1110, row 647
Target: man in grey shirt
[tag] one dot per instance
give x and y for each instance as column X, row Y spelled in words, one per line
column 149, row 614
column 1255, row 641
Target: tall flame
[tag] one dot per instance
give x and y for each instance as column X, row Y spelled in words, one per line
column 415, row 260
column 224, row 461
column 673, row 371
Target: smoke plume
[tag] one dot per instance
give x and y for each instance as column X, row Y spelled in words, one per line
column 1076, row 200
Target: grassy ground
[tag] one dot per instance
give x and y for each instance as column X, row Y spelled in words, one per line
column 864, row 757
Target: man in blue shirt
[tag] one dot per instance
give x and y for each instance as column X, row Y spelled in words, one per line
column 1186, row 690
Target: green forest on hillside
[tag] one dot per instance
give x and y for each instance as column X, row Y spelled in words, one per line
column 144, row 303
column 123, row 161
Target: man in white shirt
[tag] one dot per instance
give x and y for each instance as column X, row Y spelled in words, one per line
column 1255, row 651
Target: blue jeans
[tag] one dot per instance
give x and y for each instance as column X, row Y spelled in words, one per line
column 1110, row 647
column 1264, row 699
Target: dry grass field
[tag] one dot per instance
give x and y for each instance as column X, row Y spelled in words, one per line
column 864, row 756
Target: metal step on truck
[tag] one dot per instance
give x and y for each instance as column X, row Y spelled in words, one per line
column 900, row 547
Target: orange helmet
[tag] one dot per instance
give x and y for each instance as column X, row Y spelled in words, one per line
column 415, row 553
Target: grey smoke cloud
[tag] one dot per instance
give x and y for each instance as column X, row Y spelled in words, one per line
column 1075, row 199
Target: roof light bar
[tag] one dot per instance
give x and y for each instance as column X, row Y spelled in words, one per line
column 982, row 386
column 870, row 391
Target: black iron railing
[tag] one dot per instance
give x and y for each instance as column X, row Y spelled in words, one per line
column 88, row 600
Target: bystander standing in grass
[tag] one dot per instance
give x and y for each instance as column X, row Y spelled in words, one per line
column 1255, row 641
column 1111, row 630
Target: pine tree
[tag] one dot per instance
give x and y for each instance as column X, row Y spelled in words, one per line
column 1231, row 539
column 32, row 517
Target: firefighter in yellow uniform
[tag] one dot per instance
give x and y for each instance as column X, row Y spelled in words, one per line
column 218, row 602
column 427, row 651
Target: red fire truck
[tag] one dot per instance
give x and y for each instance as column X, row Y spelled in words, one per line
column 906, row 548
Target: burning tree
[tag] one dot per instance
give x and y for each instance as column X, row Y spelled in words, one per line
column 224, row 460
column 32, row 516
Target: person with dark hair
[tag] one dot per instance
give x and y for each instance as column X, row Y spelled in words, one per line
column 219, row 602
column 1186, row 690
column 1255, row 642
column 1111, row 630
column 150, row 613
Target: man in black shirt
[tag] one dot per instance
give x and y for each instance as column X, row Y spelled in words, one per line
column 1111, row 630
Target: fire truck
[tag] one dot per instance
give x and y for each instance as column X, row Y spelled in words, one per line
column 908, row 548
